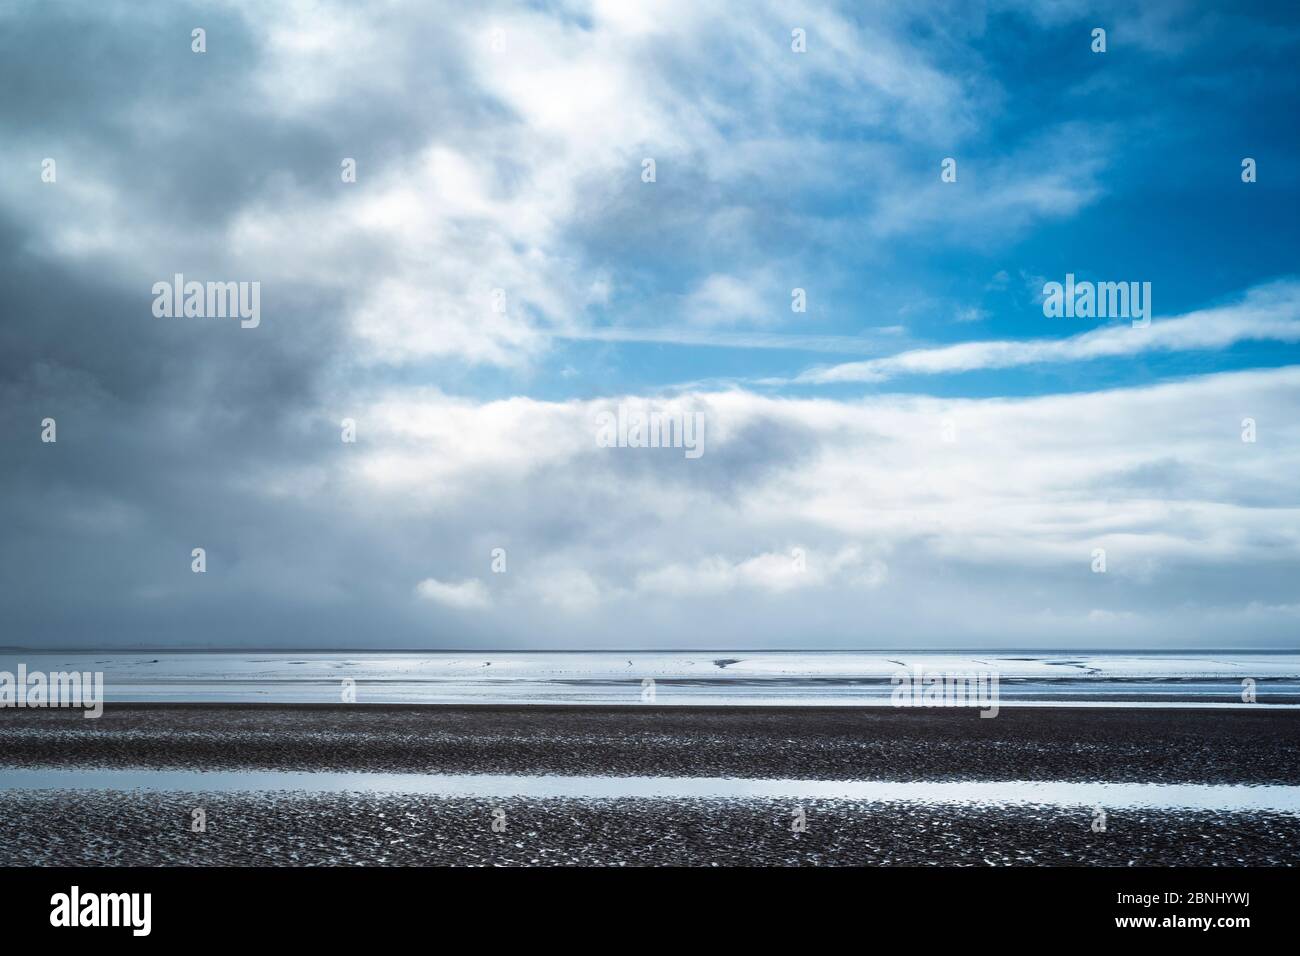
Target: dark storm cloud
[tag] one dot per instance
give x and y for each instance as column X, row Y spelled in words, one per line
column 165, row 427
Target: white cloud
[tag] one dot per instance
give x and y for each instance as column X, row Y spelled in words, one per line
column 511, row 167
column 727, row 300
column 772, row 572
column 528, row 134
column 571, row 590
column 1051, row 177
column 1002, row 521
column 468, row 594
column 1269, row 313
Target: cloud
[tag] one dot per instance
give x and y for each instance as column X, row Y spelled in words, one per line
column 518, row 169
column 1052, row 176
column 727, row 300
column 498, row 207
column 1007, row 514
column 771, row 572
column 496, row 149
column 1268, row 313
column 570, row 590
column 869, row 342
column 467, row 594
column 643, row 547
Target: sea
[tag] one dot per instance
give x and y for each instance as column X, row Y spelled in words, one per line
column 721, row 678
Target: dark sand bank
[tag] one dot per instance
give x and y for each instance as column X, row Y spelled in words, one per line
column 75, row 827
column 99, row 828
column 1071, row 744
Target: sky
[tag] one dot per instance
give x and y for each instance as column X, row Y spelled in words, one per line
column 561, row 210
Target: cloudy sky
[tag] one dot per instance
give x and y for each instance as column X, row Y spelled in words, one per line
column 919, row 459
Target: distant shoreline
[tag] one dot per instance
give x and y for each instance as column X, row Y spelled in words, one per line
column 1057, row 651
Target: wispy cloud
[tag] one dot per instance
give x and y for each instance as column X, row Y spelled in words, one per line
column 1266, row 313
column 870, row 342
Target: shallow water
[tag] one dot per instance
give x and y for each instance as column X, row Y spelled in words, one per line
column 1228, row 797
column 705, row 677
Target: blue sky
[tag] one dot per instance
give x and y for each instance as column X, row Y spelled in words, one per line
column 1115, row 165
column 921, row 458
column 1153, row 145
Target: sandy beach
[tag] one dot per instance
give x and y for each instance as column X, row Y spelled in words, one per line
column 275, row 826
column 1115, row 744
column 363, row 829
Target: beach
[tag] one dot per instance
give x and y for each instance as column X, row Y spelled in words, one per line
column 1042, row 766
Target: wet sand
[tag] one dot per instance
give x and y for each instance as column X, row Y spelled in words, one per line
column 102, row 828
column 89, row 827
column 1083, row 744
